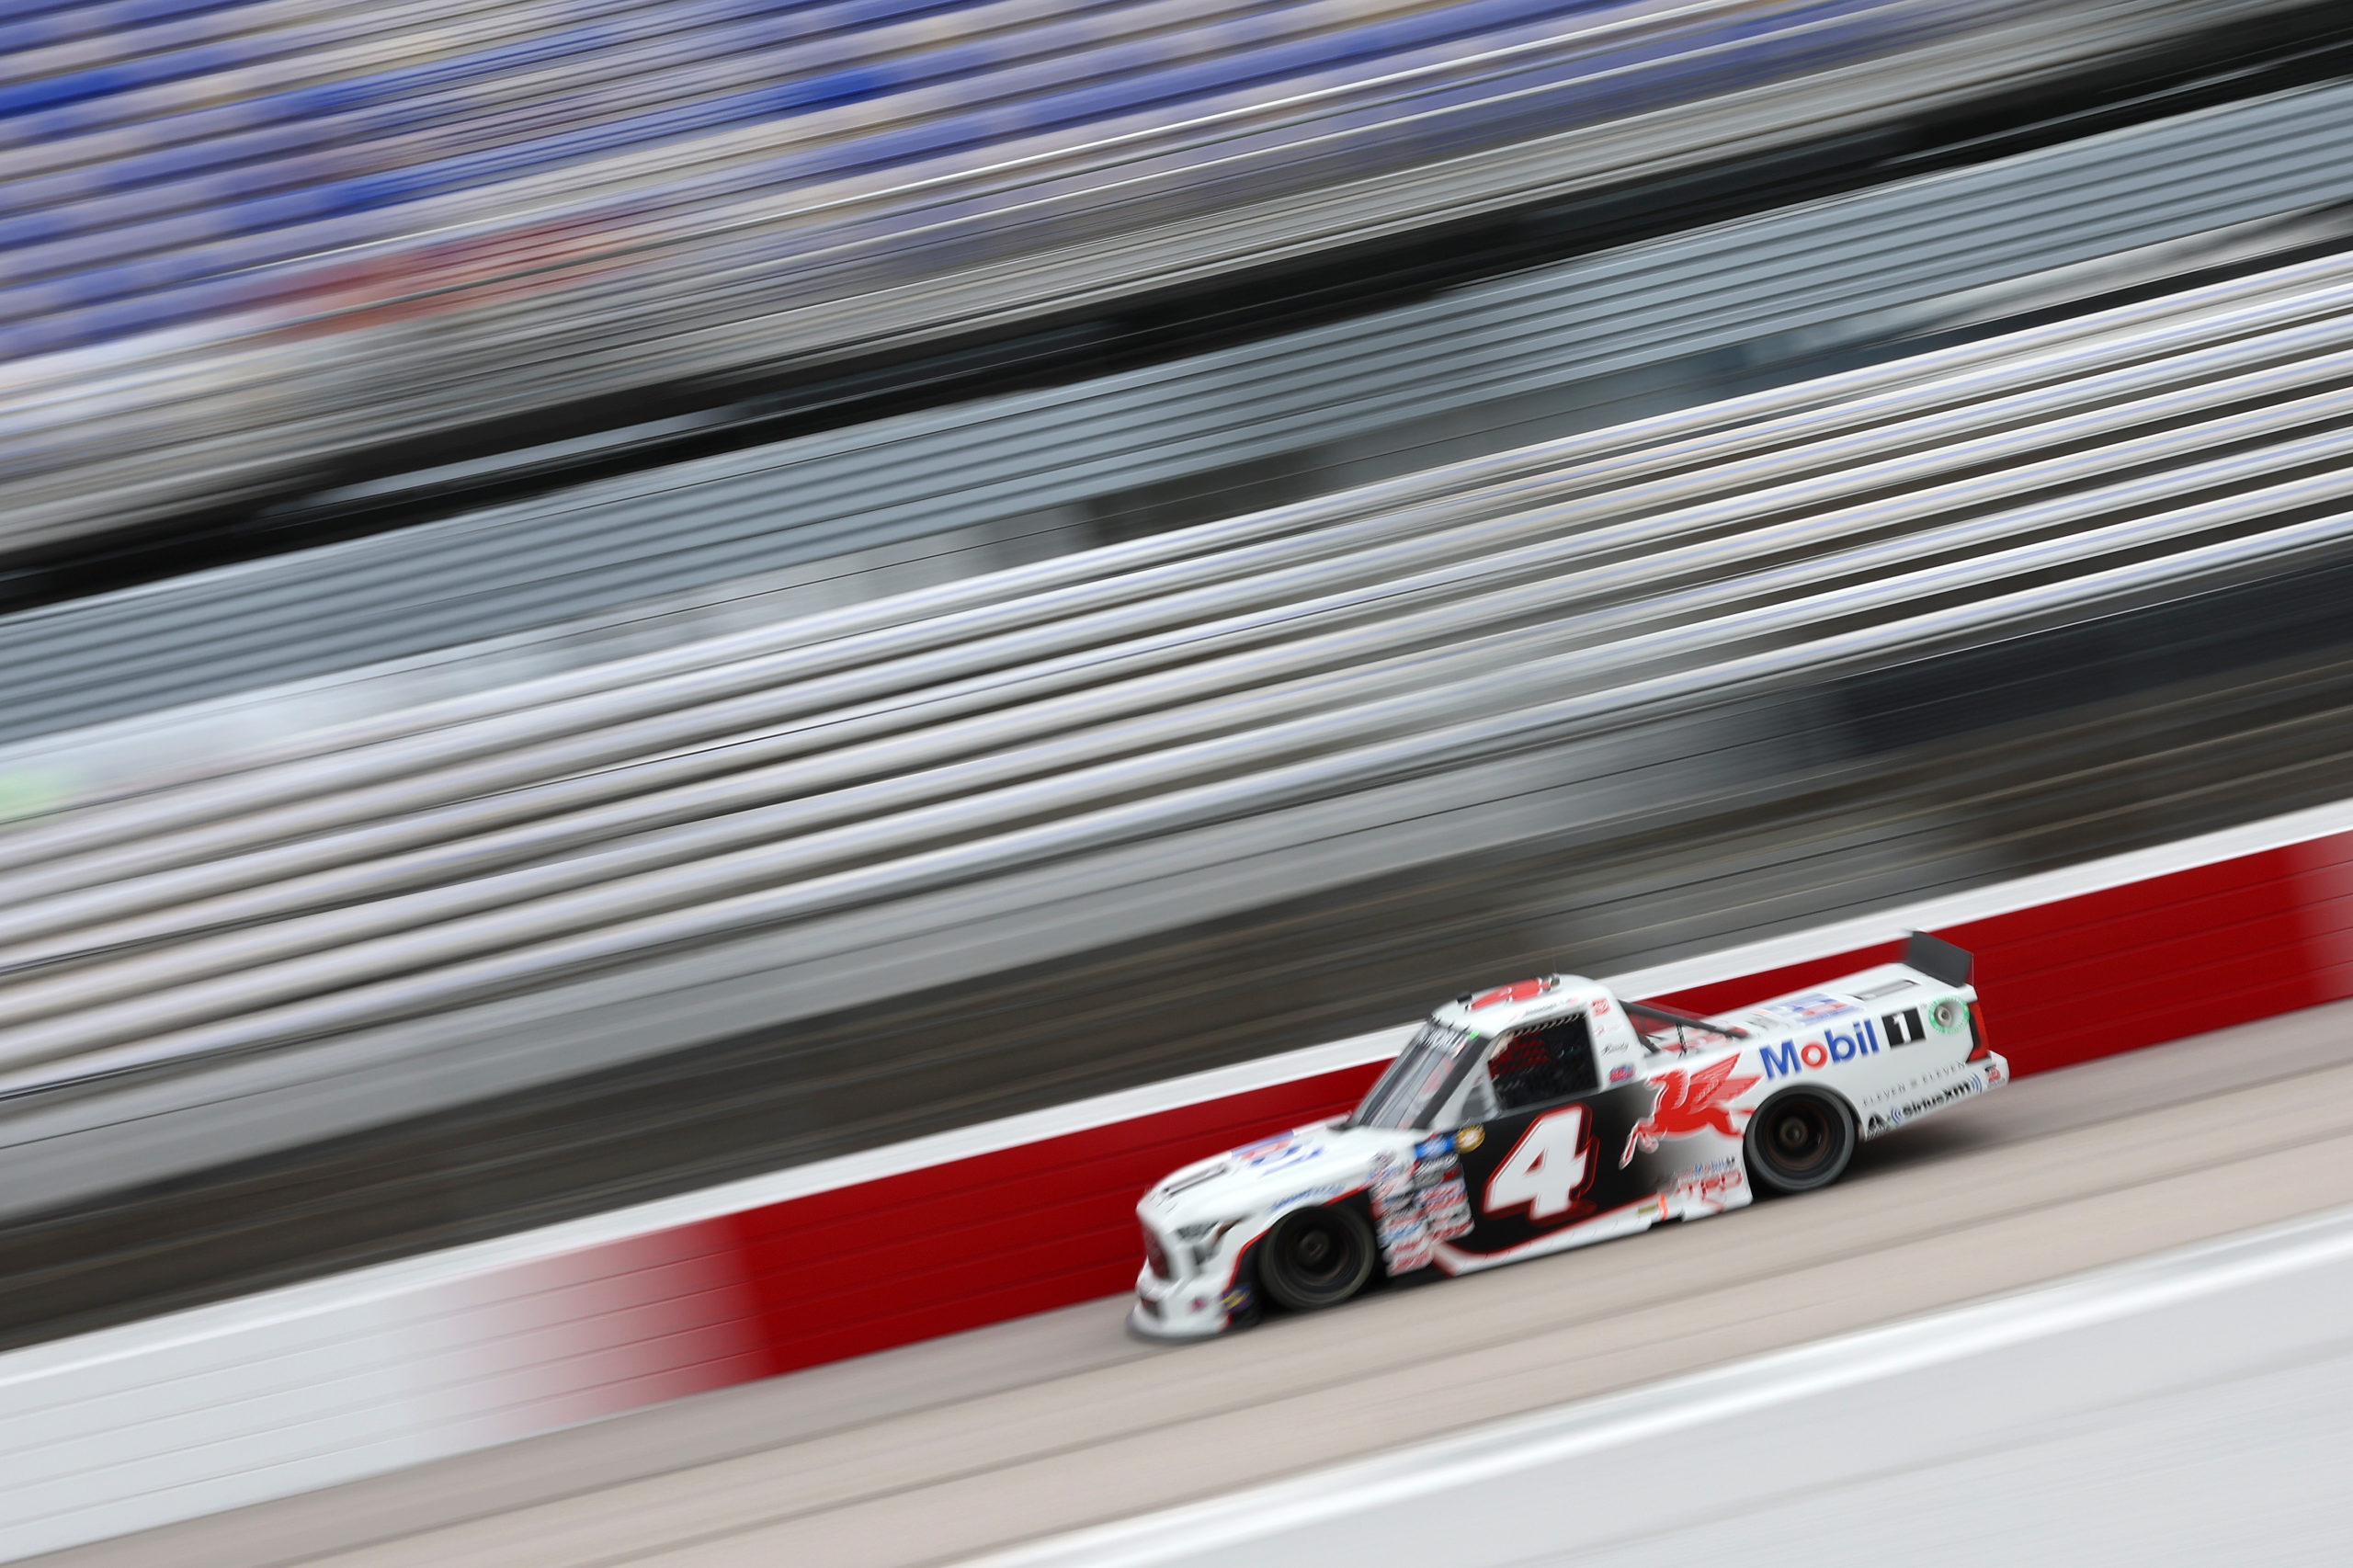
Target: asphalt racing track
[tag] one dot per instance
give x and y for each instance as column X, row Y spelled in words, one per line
column 942, row 1450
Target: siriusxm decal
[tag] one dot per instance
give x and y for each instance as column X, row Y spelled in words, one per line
column 1789, row 1059
column 1974, row 1083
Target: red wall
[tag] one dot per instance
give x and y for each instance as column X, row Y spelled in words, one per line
column 996, row 1236
column 1047, row 1224
column 2137, row 965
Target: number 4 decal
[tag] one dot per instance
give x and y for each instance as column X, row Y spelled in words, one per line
column 1550, row 1164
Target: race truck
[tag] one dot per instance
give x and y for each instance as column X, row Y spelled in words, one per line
column 1549, row 1114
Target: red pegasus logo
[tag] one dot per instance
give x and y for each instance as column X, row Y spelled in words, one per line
column 1689, row 1102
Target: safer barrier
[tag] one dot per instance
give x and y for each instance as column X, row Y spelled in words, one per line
column 351, row 1376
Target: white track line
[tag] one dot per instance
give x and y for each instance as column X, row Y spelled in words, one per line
column 1359, row 1497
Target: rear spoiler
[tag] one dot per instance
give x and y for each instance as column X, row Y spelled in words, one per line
column 1938, row 959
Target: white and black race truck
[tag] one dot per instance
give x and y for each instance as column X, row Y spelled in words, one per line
column 1549, row 1114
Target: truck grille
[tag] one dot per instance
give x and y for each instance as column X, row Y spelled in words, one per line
column 1155, row 1256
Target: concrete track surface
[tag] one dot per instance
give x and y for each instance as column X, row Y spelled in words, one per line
column 945, row 1449
column 2169, row 1412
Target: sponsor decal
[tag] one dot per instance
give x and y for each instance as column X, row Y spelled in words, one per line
column 1469, row 1138
column 1443, row 1201
column 1904, row 1027
column 1621, row 1074
column 1945, row 1015
column 1392, row 1185
column 1896, row 1115
column 1690, row 1100
column 1601, row 1006
column 1277, row 1154
column 1789, row 1058
column 1406, row 1244
column 1237, row 1300
column 1709, row 1183
column 1446, row 1209
column 1807, row 1008
column 1934, row 1077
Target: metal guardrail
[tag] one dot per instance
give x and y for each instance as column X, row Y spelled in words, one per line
column 1826, row 271
column 987, row 753
column 104, row 437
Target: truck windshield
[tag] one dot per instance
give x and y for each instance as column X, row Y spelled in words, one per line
column 1417, row 1080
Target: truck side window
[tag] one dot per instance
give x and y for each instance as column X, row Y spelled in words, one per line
column 1548, row 1064
column 1478, row 1100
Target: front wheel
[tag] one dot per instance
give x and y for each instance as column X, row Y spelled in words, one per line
column 1315, row 1257
column 1799, row 1140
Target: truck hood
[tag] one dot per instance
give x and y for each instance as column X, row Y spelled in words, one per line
column 1308, row 1165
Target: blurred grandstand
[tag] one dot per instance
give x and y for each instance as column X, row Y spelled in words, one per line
column 250, row 250
column 1636, row 477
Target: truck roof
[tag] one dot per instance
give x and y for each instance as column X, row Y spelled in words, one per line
column 1502, row 1007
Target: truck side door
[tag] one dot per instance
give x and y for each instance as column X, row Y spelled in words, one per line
column 1546, row 1159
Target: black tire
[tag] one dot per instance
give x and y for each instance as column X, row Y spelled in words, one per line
column 1315, row 1257
column 1799, row 1140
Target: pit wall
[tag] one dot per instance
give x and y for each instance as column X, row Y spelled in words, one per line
column 364, row 1372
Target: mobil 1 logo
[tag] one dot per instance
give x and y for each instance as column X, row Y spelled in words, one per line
column 1904, row 1027
column 1789, row 1058
column 1908, row 1026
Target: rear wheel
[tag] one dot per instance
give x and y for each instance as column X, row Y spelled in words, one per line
column 1800, row 1139
column 1315, row 1257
